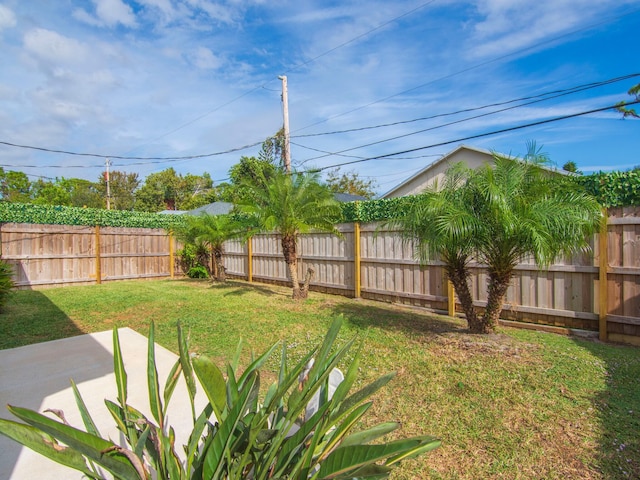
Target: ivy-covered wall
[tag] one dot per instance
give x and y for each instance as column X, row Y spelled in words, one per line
column 612, row 189
column 56, row 215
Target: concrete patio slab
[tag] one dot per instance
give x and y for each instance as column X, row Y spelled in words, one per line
column 37, row 377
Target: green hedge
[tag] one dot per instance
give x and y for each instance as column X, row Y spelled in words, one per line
column 57, row 215
column 613, row 189
column 376, row 210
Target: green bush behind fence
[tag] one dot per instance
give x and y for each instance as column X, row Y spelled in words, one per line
column 612, row 189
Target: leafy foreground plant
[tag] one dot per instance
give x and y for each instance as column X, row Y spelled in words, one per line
column 235, row 436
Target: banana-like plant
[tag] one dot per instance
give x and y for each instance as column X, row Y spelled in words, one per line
column 236, row 435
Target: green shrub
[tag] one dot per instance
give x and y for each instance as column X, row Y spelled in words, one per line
column 198, row 272
column 236, row 436
column 613, row 189
column 6, row 282
column 57, row 215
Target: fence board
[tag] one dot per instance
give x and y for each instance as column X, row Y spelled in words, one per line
column 566, row 294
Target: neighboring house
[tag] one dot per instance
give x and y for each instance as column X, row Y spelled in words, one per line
column 215, row 208
column 348, row 197
column 473, row 157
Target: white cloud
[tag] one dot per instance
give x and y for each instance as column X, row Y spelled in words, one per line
column 109, row 13
column 510, row 25
column 217, row 11
column 113, row 12
column 52, row 48
column 205, row 59
column 7, row 18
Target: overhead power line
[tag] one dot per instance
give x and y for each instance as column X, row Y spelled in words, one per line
column 471, row 137
column 99, row 155
column 295, row 67
column 545, row 96
column 473, row 67
column 551, row 94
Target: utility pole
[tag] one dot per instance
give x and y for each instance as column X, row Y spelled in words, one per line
column 107, row 164
column 285, row 115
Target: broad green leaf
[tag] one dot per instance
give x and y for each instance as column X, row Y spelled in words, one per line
column 285, row 449
column 170, row 385
column 231, row 387
column 212, row 382
column 235, row 363
column 88, row 445
column 219, row 449
column 84, row 412
column 367, row 436
column 370, row 472
column 118, row 369
column 256, row 364
column 196, row 433
column 187, row 368
column 152, row 379
column 364, row 393
column 347, row 459
column 430, row 443
column 44, row 444
column 344, row 427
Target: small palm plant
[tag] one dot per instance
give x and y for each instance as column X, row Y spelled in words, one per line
column 207, row 234
column 290, row 205
column 236, row 436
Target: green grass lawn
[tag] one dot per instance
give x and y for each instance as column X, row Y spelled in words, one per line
column 516, row 405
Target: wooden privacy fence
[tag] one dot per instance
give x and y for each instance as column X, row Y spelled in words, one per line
column 598, row 292
column 65, row 254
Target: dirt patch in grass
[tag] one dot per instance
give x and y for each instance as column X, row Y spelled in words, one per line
column 455, row 344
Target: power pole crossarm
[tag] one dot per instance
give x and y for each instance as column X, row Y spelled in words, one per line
column 285, row 114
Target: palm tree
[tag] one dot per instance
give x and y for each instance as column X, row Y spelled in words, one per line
column 208, row 234
column 292, row 204
column 524, row 210
column 440, row 224
column 498, row 215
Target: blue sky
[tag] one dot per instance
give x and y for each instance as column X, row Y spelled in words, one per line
column 167, row 78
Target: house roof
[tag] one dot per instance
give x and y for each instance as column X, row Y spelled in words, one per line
column 444, row 159
column 348, row 197
column 215, row 208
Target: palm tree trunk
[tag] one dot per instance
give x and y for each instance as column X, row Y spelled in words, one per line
column 459, row 278
column 290, row 257
column 219, row 268
column 307, row 280
column 496, row 290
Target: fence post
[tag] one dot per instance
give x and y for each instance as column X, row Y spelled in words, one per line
column 451, row 299
column 603, row 254
column 356, row 259
column 250, row 260
column 98, row 266
column 171, row 258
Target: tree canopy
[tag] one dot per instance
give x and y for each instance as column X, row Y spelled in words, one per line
column 498, row 215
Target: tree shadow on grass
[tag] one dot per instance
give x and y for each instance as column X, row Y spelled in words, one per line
column 618, row 410
column 412, row 321
column 32, row 371
column 238, row 289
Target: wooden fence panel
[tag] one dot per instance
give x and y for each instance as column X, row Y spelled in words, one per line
column 49, row 254
column 566, row 294
column 235, row 258
column 623, row 280
column 66, row 254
